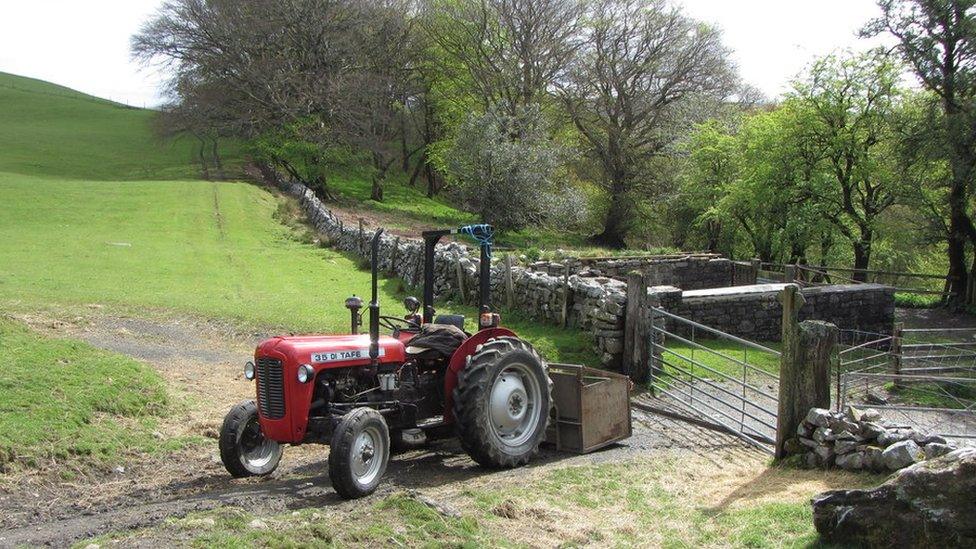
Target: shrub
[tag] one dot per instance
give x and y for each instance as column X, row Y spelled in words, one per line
column 505, row 167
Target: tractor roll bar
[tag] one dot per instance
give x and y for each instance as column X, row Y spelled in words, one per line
column 483, row 235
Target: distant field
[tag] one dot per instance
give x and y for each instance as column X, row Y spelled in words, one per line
column 50, row 130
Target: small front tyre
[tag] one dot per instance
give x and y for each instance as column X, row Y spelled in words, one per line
column 244, row 450
column 359, row 453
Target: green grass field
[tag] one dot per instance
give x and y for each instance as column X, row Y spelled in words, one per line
column 65, row 401
column 216, row 250
column 53, row 131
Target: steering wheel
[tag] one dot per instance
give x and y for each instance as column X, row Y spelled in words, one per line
column 397, row 324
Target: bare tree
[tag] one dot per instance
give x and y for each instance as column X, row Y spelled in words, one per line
column 372, row 97
column 511, row 51
column 267, row 66
column 644, row 74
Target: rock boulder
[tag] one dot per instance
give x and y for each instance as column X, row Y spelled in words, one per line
column 930, row 504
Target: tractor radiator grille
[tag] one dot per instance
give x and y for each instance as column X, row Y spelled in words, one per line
column 271, row 388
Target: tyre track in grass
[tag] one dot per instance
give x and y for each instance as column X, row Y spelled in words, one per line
column 201, row 362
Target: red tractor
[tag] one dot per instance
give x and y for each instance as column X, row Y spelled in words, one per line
column 360, row 394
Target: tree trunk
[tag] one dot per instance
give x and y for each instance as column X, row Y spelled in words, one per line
column 204, row 167
column 798, row 252
column 862, row 256
column 960, row 225
column 417, row 169
column 377, row 192
column 405, row 157
column 615, row 223
column 215, row 154
column 959, row 277
column 432, row 188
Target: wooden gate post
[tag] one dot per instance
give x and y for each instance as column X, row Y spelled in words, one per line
column 636, row 356
column 809, row 351
column 362, row 238
column 462, row 294
column 789, row 274
column 393, row 256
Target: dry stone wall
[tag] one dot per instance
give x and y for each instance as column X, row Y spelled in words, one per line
column 595, row 304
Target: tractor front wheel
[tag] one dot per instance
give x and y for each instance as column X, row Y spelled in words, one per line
column 359, row 453
column 502, row 402
column 244, row 450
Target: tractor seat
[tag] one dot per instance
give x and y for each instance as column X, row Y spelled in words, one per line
column 454, row 320
column 435, row 341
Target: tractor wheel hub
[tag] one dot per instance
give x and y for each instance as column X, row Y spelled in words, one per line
column 508, row 402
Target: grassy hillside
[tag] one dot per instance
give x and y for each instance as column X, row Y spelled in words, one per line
column 53, row 131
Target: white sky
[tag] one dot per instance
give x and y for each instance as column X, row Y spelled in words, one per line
column 85, row 44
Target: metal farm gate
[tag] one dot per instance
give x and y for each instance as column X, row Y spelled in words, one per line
column 714, row 378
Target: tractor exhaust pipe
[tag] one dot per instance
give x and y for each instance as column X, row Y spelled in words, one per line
column 374, row 304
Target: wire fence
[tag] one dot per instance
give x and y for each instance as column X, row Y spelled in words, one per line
column 924, row 284
column 924, row 378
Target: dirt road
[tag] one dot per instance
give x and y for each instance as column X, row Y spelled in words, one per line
column 202, row 362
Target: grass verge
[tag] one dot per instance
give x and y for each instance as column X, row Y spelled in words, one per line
column 65, row 402
column 917, row 301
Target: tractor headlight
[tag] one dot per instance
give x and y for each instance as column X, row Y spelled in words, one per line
column 305, row 373
column 249, row 370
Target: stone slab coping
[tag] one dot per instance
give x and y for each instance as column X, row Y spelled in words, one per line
column 776, row 288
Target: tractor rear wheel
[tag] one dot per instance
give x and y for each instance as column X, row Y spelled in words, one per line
column 244, row 450
column 359, row 453
column 502, row 402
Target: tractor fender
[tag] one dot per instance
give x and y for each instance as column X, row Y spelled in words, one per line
column 458, row 361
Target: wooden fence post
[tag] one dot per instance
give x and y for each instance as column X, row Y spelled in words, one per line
column 362, row 237
column 809, row 352
column 564, row 316
column 789, row 273
column 894, row 352
column 460, row 281
column 509, row 284
column 393, row 256
column 636, row 356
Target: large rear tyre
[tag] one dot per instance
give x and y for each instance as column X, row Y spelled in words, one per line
column 359, row 453
column 244, row 450
column 502, row 402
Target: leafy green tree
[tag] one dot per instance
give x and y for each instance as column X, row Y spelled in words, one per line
column 937, row 39
column 845, row 109
column 644, row 74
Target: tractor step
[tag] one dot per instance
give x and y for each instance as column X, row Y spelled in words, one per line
column 413, row 438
